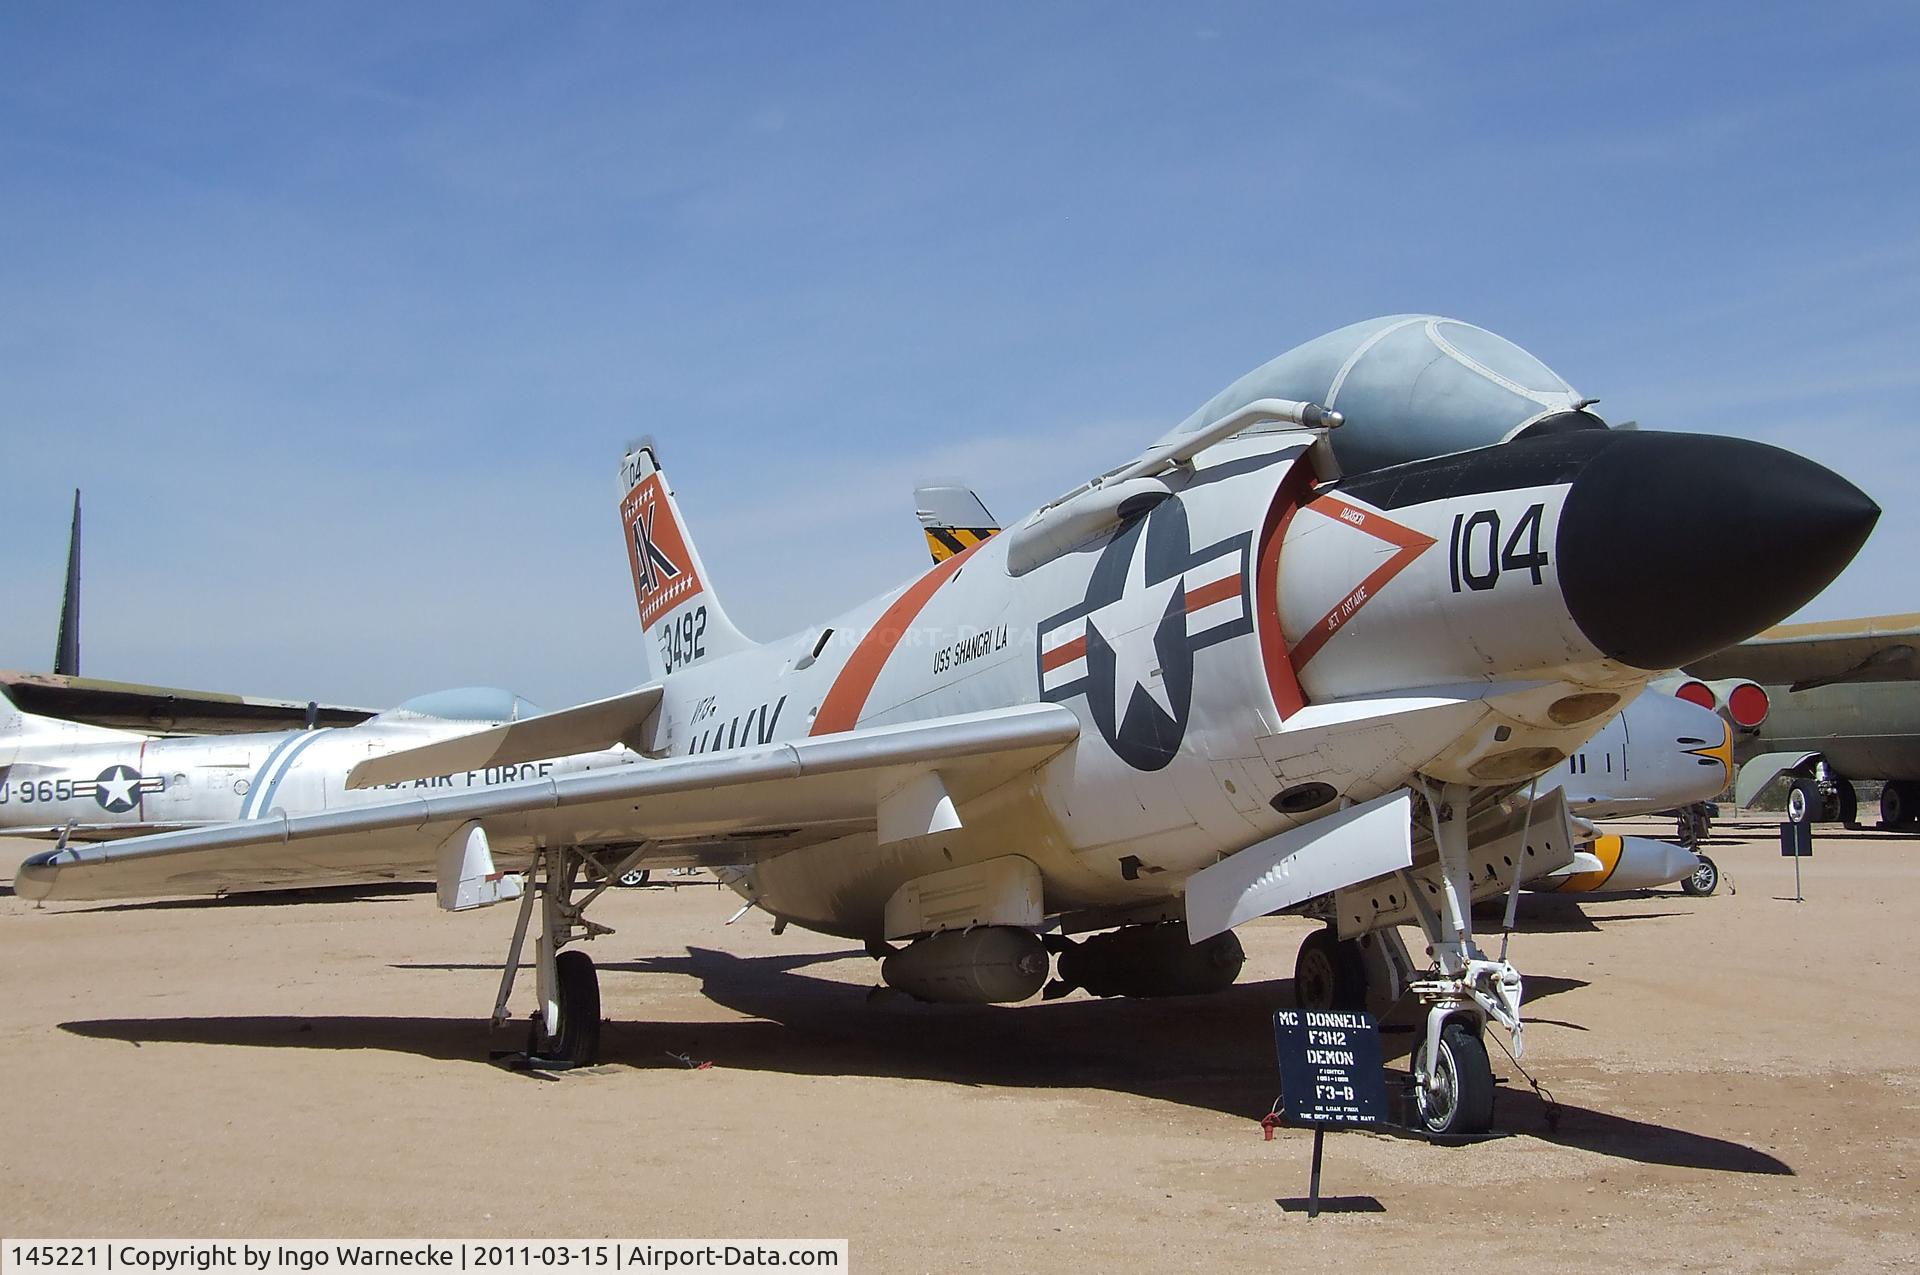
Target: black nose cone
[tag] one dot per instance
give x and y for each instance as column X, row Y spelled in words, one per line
column 1672, row 546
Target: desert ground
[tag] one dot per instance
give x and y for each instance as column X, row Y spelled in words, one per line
column 1737, row 1081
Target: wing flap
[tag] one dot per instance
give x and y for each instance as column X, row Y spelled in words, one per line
column 584, row 728
column 729, row 806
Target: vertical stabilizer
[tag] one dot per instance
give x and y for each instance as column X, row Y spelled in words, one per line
column 679, row 611
column 953, row 517
column 66, row 656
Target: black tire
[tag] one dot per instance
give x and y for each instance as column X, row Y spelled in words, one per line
column 1704, row 881
column 1897, row 806
column 634, row 877
column 1464, row 1104
column 1847, row 802
column 1803, row 802
column 578, row 987
column 1329, row 975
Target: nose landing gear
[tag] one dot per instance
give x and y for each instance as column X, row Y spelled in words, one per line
column 1462, row 989
column 1452, row 1076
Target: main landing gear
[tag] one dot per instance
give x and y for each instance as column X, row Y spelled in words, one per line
column 1460, row 992
column 565, row 1029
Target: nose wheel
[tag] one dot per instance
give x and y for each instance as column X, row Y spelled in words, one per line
column 1457, row 1099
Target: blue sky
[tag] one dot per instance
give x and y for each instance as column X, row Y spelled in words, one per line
column 341, row 315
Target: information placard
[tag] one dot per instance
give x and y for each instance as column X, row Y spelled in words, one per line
column 1330, row 1069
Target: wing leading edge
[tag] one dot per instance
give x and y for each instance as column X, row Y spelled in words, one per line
column 731, row 807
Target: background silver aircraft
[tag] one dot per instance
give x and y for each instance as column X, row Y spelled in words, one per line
column 109, row 763
column 81, row 783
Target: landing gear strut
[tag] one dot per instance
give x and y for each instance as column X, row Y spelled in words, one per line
column 565, row 1028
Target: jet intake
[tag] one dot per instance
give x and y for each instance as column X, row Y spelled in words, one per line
column 991, row 965
column 1149, row 960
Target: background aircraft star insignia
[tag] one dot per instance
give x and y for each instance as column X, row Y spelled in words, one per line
column 119, row 788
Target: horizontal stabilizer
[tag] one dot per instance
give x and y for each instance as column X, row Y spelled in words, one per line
column 585, row 728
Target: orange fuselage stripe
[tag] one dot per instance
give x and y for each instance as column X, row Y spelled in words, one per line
column 1282, row 681
column 1206, row 595
column 841, row 709
column 1065, row 653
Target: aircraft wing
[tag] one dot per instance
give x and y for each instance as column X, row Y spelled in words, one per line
column 710, row 808
column 584, row 728
column 164, row 710
column 1873, row 649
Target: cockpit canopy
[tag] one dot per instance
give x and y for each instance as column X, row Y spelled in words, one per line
column 1411, row 386
column 465, row 704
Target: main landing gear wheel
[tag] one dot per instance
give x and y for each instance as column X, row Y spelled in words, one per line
column 635, row 877
column 1803, row 802
column 577, row 988
column 1848, row 802
column 1460, row 1101
column 1329, row 975
column 1898, row 806
column 1704, row 881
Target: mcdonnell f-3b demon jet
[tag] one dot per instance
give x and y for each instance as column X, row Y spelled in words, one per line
column 1309, row 652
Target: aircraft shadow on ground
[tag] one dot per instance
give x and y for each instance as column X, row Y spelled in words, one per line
column 1553, row 914
column 1213, row 1053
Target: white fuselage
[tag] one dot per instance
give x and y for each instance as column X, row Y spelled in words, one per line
column 1198, row 645
column 1660, row 754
